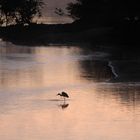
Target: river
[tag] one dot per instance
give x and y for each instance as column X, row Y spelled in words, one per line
column 98, row 108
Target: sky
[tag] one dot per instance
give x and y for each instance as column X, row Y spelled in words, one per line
column 49, row 15
column 57, row 3
column 52, row 4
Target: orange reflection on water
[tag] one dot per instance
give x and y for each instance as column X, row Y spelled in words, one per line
column 30, row 109
column 38, row 68
column 86, row 117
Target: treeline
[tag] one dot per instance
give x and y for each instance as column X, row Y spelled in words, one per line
column 19, row 11
column 97, row 12
column 103, row 12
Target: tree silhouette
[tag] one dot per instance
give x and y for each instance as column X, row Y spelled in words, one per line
column 125, row 9
column 104, row 11
column 19, row 11
column 7, row 10
column 85, row 9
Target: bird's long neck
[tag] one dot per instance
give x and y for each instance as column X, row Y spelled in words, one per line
column 59, row 94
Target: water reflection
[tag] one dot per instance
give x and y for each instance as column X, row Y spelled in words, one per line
column 34, row 67
column 96, row 70
column 127, row 94
column 63, row 105
column 30, row 78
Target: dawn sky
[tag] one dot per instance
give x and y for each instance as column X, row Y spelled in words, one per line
column 52, row 4
column 56, row 3
column 49, row 14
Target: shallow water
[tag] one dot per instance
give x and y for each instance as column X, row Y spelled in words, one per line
column 30, row 78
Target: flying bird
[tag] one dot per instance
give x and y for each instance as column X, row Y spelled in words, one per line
column 63, row 94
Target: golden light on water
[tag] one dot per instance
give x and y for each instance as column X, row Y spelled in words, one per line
column 86, row 117
column 43, row 69
column 30, row 78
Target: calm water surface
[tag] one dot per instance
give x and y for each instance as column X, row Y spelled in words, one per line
column 30, row 78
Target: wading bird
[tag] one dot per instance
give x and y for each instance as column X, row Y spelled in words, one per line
column 63, row 94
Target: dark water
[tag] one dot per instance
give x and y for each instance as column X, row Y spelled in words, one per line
column 98, row 109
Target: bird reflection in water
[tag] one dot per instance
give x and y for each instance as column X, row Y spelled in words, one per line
column 64, row 104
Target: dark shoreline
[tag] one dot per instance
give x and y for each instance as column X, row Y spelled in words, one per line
column 124, row 36
column 42, row 34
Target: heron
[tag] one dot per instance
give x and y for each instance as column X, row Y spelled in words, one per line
column 63, row 94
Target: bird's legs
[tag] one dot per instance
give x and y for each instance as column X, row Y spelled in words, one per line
column 64, row 99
